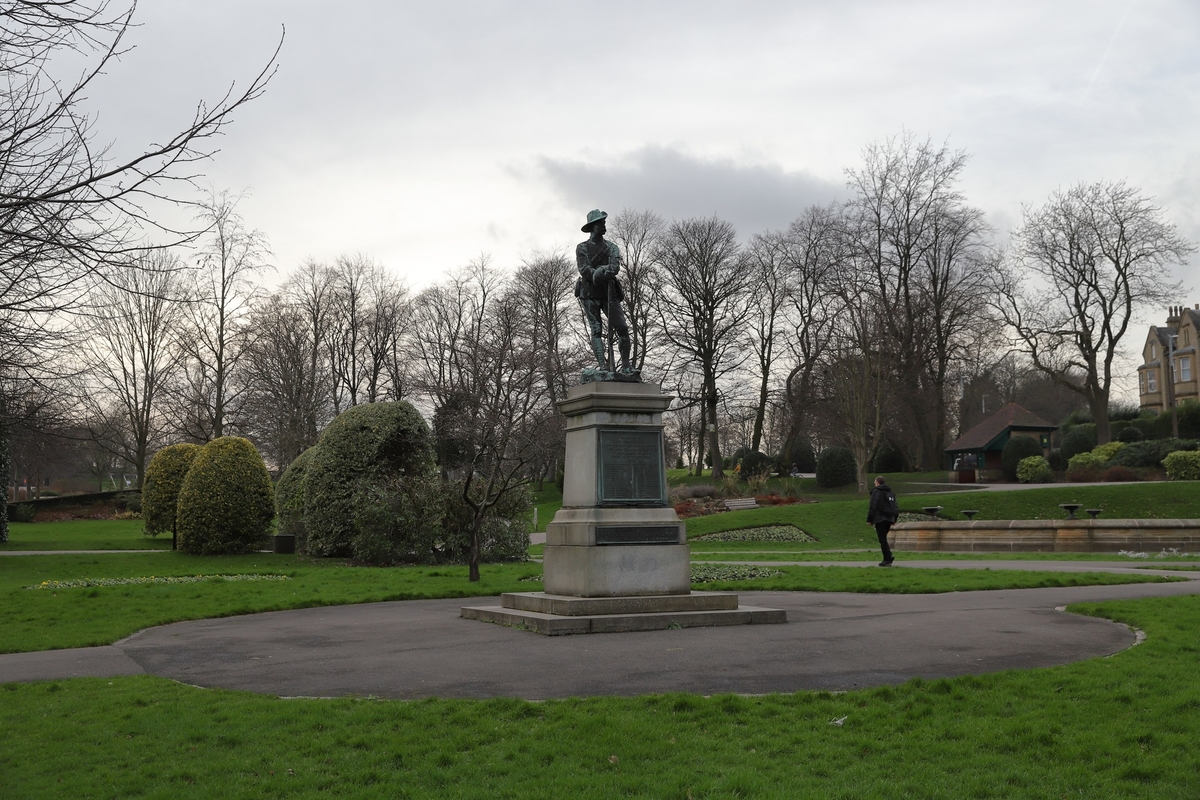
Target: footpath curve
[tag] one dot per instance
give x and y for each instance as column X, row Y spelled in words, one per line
column 422, row 648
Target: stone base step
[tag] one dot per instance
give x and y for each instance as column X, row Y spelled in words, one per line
column 558, row 625
column 570, row 606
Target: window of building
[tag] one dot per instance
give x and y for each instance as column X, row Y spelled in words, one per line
column 1185, row 368
column 1151, row 380
column 1153, row 352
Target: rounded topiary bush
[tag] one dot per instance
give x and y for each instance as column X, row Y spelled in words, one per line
column 160, row 489
column 1183, row 465
column 365, row 444
column 226, row 503
column 1130, row 434
column 756, row 464
column 836, row 467
column 289, row 498
column 1079, row 440
column 800, row 454
column 888, row 458
column 1034, row 469
column 1016, row 449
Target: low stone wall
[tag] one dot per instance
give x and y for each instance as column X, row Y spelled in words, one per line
column 1049, row 535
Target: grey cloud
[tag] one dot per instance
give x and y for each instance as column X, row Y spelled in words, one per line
column 754, row 197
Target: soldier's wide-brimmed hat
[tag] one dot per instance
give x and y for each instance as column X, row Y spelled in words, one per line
column 594, row 216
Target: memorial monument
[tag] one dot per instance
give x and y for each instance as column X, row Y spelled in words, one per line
column 616, row 556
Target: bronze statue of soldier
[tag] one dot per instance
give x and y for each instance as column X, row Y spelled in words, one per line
column 599, row 292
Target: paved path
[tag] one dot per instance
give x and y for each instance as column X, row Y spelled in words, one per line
column 423, row 648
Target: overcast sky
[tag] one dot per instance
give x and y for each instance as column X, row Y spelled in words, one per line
column 426, row 133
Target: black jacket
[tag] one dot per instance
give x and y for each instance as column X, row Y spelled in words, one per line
column 875, row 511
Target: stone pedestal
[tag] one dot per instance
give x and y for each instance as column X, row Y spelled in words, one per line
column 616, row 548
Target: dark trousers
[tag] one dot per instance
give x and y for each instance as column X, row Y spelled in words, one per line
column 881, row 530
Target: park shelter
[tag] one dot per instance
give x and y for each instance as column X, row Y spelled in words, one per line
column 982, row 444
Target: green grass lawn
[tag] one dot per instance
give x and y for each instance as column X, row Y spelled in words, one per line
column 1118, row 727
column 83, row 534
column 42, row 619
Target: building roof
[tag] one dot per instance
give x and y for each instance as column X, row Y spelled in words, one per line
column 1011, row 416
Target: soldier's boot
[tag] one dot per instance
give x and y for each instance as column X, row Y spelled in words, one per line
column 623, row 346
column 598, row 349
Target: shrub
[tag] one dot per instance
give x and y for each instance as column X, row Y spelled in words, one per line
column 365, row 445
column 801, row 454
column 399, row 520
column 1183, row 465
column 160, row 489
column 128, row 501
column 756, row 464
column 1015, row 450
column 1084, row 461
column 1105, row 452
column 888, row 458
column 1118, row 474
column 1079, row 440
column 504, row 534
column 226, row 502
column 21, row 512
column 836, row 467
column 1034, row 469
column 289, row 498
column 1150, row 453
column 1189, row 419
column 1057, row 462
column 1130, row 434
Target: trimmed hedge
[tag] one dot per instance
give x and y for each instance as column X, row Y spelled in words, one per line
column 1079, row 440
column 836, row 467
column 1150, row 453
column 1016, row 449
column 364, row 445
column 1034, row 469
column 1183, row 465
column 160, row 490
column 289, row 498
column 226, row 503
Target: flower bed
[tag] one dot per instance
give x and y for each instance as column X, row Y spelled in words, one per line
column 712, row 573
column 769, row 533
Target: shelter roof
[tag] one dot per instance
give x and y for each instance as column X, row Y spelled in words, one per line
column 1011, row 416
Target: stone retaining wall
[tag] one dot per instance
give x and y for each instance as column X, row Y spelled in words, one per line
column 1049, row 536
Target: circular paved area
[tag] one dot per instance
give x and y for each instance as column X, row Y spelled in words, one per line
column 423, row 648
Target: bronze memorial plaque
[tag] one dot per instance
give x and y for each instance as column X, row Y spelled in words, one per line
column 631, row 468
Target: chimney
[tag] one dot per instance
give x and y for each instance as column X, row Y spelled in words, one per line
column 1173, row 314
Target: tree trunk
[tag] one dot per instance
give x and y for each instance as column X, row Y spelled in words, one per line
column 700, row 438
column 714, row 444
column 1098, row 405
column 5, row 469
column 760, row 412
column 473, row 558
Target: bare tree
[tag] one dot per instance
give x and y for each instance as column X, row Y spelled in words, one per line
column 702, row 301
column 131, row 356
column 636, row 233
column 1083, row 265
column 214, row 336
column 769, row 259
column 816, row 248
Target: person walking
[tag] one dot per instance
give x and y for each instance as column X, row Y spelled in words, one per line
column 883, row 513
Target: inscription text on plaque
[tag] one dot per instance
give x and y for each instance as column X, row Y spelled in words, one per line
column 631, row 468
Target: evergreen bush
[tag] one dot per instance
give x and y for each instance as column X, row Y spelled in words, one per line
column 289, row 498
column 888, row 458
column 1130, row 434
column 801, row 454
column 836, row 467
column 160, row 489
column 504, row 535
column 1016, row 449
column 1183, row 465
column 1079, row 440
column 226, row 503
column 365, row 445
column 400, row 520
column 1105, row 452
column 1087, row 460
column 756, row 464
column 1057, row 462
column 1150, row 454
column 1034, row 469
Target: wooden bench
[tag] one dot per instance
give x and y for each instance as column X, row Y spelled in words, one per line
column 741, row 503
